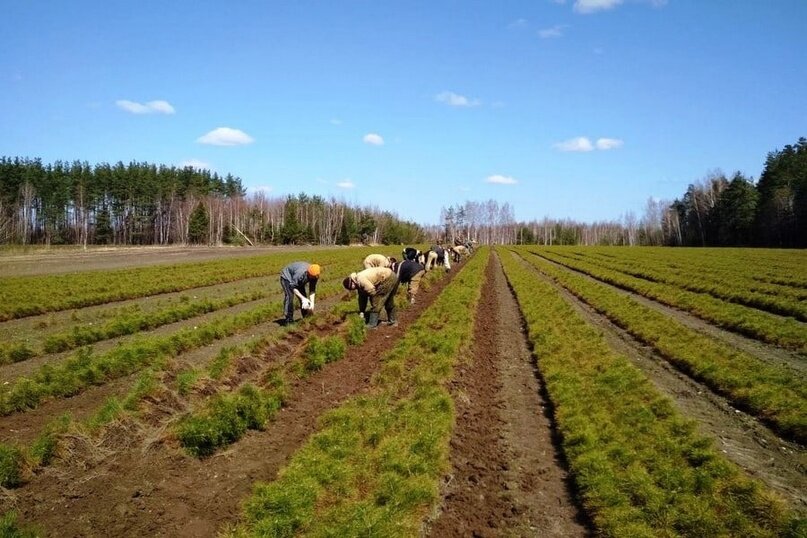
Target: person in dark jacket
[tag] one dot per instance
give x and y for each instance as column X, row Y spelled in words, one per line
column 410, row 272
column 293, row 279
column 410, row 253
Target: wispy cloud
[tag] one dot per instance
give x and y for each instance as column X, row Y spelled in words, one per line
column 592, row 6
column 583, row 144
column 336, row 121
column 609, row 143
column 501, row 180
column 518, row 23
column 554, row 31
column 226, row 136
column 265, row 189
column 195, row 163
column 586, row 7
column 455, row 99
column 373, row 139
column 346, row 184
column 152, row 107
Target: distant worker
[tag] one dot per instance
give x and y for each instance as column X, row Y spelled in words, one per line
column 410, row 253
column 378, row 260
column 378, row 284
column 437, row 255
column 460, row 251
column 293, row 279
column 410, row 272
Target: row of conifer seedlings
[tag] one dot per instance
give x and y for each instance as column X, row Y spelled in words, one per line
column 85, row 367
column 26, row 296
column 641, row 468
column 731, row 286
column 151, row 356
column 224, row 416
column 773, row 393
column 375, row 465
column 781, row 331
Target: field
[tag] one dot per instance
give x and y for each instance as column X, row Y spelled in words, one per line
column 529, row 391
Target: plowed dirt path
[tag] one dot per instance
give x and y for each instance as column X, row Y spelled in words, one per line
column 508, row 477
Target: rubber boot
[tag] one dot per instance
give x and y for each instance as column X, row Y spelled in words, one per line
column 392, row 319
column 372, row 320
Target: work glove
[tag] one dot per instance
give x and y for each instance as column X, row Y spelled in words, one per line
column 306, row 304
column 312, row 300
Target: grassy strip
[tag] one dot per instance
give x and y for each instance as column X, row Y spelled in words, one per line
column 776, row 394
column 753, row 267
column 225, row 418
column 17, row 462
column 641, row 468
column 784, row 332
column 726, row 286
column 85, row 368
column 10, row 529
column 374, row 467
column 27, row 296
column 125, row 324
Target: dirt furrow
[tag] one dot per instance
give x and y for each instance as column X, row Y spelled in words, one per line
column 136, row 481
column 780, row 464
column 508, row 477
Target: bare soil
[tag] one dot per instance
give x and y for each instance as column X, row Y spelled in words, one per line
column 508, row 475
column 780, row 464
column 134, row 479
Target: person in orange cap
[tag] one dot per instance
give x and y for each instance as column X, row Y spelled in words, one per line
column 293, row 279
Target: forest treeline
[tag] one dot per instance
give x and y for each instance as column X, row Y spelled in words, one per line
column 147, row 204
column 715, row 211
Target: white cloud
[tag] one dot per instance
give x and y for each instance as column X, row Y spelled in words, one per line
column 518, row 23
column 592, row 6
column 373, row 139
column 346, row 184
column 152, row 107
column 501, row 180
column 336, row 121
column 266, row 189
column 609, row 143
column 195, row 163
column 581, row 143
column 454, row 99
column 554, row 31
column 225, row 136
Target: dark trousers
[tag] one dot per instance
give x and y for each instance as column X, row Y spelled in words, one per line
column 384, row 296
column 288, row 298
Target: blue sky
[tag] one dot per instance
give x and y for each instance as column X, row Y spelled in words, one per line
column 578, row 108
